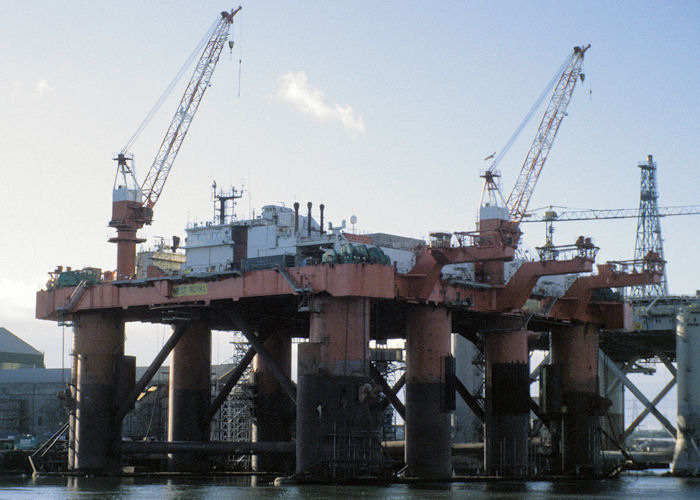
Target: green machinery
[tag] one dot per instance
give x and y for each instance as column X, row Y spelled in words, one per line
column 355, row 254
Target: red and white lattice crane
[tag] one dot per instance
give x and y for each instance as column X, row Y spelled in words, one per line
column 132, row 204
column 544, row 138
column 517, row 201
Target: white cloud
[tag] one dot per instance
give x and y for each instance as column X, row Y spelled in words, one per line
column 294, row 88
column 42, row 87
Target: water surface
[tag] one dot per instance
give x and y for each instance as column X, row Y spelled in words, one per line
column 630, row 486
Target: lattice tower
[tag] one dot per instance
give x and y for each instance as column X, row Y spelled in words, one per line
column 649, row 229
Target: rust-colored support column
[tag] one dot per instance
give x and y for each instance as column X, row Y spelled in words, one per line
column 189, row 394
column 575, row 349
column 128, row 216
column 507, row 410
column 274, row 412
column 72, row 406
column 98, row 350
column 428, row 451
column 338, row 412
column 495, row 221
column 126, row 241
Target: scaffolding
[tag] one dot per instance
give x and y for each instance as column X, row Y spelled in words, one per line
column 234, row 421
column 357, row 452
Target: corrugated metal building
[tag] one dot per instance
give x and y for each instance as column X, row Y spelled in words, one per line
column 16, row 353
column 32, row 397
column 30, row 403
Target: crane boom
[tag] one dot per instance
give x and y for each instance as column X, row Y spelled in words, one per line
column 616, row 213
column 525, row 184
column 132, row 206
column 153, row 184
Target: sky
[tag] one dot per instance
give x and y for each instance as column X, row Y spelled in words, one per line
column 383, row 110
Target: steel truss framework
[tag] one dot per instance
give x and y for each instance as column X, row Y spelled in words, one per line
column 234, row 421
column 649, row 229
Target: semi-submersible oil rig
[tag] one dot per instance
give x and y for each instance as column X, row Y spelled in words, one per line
column 288, row 275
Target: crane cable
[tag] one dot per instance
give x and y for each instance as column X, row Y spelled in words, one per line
column 240, row 52
column 170, row 87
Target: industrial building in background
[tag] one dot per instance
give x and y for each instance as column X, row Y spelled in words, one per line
column 15, row 353
column 26, row 408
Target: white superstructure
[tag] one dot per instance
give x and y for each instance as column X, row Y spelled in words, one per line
column 280, row 236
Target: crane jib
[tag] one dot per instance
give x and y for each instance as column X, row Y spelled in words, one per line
column 152, row 185
column 544, row 138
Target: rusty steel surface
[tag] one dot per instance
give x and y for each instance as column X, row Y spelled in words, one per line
column 518, row 289
column 427, row 343
column 341, row 327
column 189, row 394
column 428, row 438
column 275, row 413
column 127, row 218
column 575, row 348
column 577, row 301
column 191, row 358
column 421, row 281
column 280, row 348
column 340, row 280
column 99, row 351
column 506, row 347
column 143, row 299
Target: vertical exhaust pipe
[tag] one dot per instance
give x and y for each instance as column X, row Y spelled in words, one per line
column 308, row 220
column 321, row 206
column 296, row 217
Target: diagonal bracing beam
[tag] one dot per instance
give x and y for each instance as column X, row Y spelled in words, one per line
column 285, row 382
column 646, row 410
column 664, row 359
column 638, row 394
column 388, row 391
column 469, row 399
column 672, row 369
column 128, row 403
column 626, row 368
column 233, row 378
column 395, row 390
